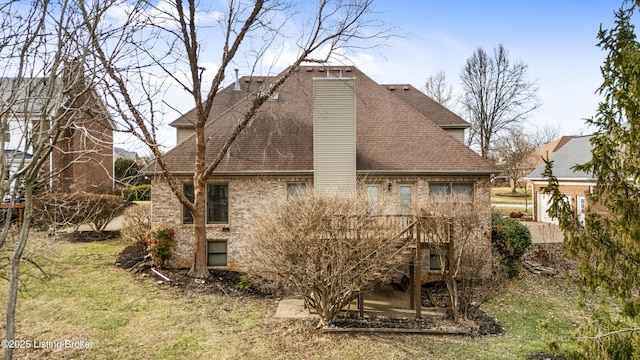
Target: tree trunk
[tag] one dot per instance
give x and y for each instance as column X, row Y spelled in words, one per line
column 14, row 281
column 199, row 268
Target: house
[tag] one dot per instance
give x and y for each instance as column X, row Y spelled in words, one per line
column 576, row 185
column 431, row 109
column 330, row 128
column 82, row 159
column 120, row 153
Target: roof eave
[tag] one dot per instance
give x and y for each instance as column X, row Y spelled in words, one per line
column 455, row 126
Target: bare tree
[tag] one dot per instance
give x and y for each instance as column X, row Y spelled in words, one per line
column 496, row 95
column 41, row 104
column 160, row 41
column 515, row 153
column 326, row 248
column 439, row 89
column 453, row 226
column 545, row 134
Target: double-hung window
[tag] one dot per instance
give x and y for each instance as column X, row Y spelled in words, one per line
column 442, row 191
column 217, row 203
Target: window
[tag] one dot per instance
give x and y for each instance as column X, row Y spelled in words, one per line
column 440, row 191
column 434, row 261
column 294, row 189
column 187, row 190
column 373, row 199
column 217, row 204
column 405, row 198
column 217, row 253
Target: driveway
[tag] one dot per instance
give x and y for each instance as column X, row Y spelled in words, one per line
column 544, row 233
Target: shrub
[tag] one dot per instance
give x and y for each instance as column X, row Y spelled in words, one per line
column 136, row 226
column 325, row 248
column 160, row 244
column 245, row 284
column 137, row 193
column 55, row 210
column 511, row 239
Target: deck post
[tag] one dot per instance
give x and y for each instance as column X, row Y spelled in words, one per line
column 417, row 275
column 411, row 287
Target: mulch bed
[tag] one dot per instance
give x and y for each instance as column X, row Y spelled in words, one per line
column 479, row 323
column 88, row 236
column 544, row 356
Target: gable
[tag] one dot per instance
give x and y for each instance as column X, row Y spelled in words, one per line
column 577, row 150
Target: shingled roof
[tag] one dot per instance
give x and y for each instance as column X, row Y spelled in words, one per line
column 391, row 135
column 576, row 150
column 428, row 107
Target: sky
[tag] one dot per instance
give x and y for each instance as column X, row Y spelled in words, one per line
column 555, row 39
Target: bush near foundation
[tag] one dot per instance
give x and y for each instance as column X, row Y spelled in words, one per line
column 511, row 239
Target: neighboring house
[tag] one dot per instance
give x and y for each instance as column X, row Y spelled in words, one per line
column 82, row 160
column 330, row 128
column 120, row 153
column 576, row 185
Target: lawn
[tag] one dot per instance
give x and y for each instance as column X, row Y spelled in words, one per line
column 132, row 317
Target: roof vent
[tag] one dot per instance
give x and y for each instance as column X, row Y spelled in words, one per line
column 405, row 88
column 347, row 69
column 309, row 69
column 392, row 88
column 321, row 69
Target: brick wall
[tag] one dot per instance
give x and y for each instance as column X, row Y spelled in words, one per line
column 247, row 193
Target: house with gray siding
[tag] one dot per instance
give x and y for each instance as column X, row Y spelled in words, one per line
column 575, row 185
column 327, row 127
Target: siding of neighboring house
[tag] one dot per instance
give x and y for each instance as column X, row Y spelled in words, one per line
column 248, row 193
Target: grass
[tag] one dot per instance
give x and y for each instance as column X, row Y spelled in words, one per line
column 126, row 317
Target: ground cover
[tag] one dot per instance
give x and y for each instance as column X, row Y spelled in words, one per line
column 127, row 316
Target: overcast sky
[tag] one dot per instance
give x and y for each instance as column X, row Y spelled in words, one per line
column 555, row 38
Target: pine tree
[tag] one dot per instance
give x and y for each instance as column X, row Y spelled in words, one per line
column 607, row 245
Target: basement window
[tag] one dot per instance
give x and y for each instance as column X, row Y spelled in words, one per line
column 217, row 253
column 295, row 189
column 434, row 261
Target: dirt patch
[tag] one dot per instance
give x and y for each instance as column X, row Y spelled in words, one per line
column 544, row 356
column 486, row 324
column 88, row 236
column 131, row 255
column 550, row 255
column 220, row 282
